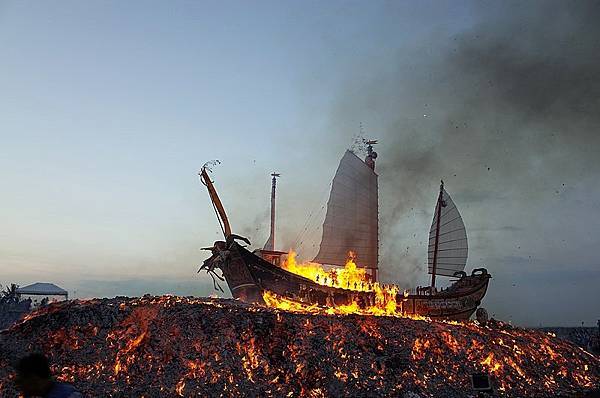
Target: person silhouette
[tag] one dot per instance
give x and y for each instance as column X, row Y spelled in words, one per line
column 35, row 379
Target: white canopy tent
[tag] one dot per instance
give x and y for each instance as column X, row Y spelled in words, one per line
column 43, row 289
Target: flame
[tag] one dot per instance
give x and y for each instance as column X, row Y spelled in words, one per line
column 180, row 387
column 351, row 277
column 451, row 342
column 137, row 325
column 275, row 301
column 492, row 365
column 419, row 348
column 384, row 305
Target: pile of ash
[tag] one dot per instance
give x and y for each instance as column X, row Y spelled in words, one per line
column 176, row 346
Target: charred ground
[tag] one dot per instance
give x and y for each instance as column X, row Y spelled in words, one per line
column 175, row 346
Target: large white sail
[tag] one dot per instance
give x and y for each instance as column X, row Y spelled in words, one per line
column 351, row 222
column 452, row 248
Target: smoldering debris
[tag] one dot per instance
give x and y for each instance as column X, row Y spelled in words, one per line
column 176, row 346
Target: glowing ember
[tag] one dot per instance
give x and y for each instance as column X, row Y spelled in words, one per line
column 174, row 346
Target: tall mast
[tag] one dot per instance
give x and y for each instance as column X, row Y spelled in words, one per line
column 370, row 161
column 270, row 245
column 440, row 204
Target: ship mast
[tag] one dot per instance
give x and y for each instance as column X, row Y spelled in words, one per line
column 270, row 245
column 370, row 161
column 218, row 206
column 440, row 204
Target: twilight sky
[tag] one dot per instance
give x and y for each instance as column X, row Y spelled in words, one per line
column 108, row 110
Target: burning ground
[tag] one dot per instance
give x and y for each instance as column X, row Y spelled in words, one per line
column 175, row 346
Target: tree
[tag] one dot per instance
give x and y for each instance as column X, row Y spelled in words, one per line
column 9, row 295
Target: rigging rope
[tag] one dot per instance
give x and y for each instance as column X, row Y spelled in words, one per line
column 302, row 234
column 218, row 217
column 311, row 230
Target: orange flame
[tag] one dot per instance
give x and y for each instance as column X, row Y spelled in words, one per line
column 384, row 305
column 350, row 277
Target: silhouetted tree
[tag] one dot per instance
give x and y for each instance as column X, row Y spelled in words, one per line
column 9, row 294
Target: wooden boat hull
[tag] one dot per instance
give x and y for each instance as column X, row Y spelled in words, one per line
column 248, row 276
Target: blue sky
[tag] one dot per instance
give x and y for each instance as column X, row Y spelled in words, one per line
column 109, row 109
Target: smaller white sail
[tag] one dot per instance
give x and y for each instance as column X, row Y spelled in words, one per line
column 452, row 247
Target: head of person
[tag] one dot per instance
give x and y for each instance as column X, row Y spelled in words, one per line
column 33, row 375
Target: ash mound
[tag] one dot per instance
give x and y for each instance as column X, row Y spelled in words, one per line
column 175, row 346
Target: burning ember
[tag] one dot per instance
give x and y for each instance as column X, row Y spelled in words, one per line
column 174, row 346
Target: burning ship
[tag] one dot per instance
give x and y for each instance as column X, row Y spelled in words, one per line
column 350, row 240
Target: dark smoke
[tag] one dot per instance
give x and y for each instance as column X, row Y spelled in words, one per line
column 509, row 108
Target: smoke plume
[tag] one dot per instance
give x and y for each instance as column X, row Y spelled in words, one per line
column 508, row 108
